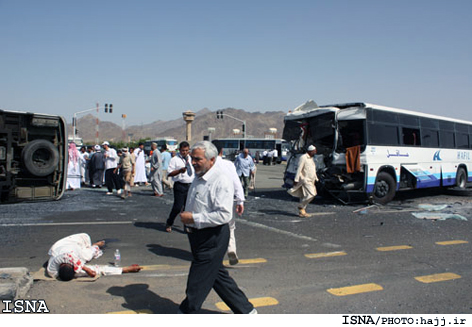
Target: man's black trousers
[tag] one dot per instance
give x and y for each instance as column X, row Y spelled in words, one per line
column 209, row 246
column 180, row 197
column 112, row 180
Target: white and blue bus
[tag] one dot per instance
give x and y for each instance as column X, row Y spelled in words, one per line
column 170, row 142
column 375, row 151
column 256, row 146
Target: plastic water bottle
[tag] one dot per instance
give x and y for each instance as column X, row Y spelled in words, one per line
column 117, row 258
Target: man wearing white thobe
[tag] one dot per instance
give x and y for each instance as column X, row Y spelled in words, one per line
column 304, row 182
column 140, row 176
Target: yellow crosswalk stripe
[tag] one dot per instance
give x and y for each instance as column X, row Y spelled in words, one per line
column 127, row 312
column 226, row 262
column 325, row 255
column 256, row 302
column 163, row 267
column 437, row 278
column 357, row 289
column 452, row 242
column 394, row 248
column 247, row 261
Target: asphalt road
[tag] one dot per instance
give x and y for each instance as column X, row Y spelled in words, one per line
column 345, row 259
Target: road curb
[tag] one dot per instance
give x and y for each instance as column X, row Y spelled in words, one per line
column 14, row 283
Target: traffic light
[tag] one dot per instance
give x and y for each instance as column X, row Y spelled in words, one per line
column 111, row 108
column 106, row 108
column 219, row 114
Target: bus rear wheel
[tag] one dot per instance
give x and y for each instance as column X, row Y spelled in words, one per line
column 461, row 179
column 384, row 190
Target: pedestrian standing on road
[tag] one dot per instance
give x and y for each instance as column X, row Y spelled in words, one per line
column 140, row 176
column 166, row 156
column 97, row 163
column 83, row 165
column 88, row 172
column 181, row 171
column 245, row 168
column 156, row 171
column 304, row 182
column 73, row 168
column 275, row 155
column 264, row 157
column 68, row 256
column 126, row 166
column 208, row 211
column 228, row 168
column 111, row 162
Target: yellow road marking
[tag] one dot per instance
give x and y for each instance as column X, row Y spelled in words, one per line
column 127, row 312
column 162, row 267
column 256, row 302
column 437, row 278
column 247, row 261
column 350, row 290
column 452, row 242
column 324, row 255
column 226, row 262
column 394, row 248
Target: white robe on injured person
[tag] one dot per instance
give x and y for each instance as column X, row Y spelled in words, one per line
column 77, row 250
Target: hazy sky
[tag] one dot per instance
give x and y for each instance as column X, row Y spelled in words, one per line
column 155, row 59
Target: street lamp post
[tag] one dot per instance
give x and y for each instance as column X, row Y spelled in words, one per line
column 210, row 131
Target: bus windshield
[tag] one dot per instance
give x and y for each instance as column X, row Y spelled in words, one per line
column 319, row 131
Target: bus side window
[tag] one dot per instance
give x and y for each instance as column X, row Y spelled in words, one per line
column 411, row 136
column 351, row 133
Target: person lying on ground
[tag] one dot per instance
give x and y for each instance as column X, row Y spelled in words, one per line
column 68, row 256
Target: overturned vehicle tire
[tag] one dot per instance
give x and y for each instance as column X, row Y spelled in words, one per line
column 40, row 157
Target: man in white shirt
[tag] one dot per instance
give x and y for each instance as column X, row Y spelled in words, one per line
column 275, row 154
column 111, row 162
column 182, row 173
column 208, row 211
column 228, row 168
column 84, row 157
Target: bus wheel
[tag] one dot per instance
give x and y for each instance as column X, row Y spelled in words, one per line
column 461, row 179
column 40, row 157
column 384, row 190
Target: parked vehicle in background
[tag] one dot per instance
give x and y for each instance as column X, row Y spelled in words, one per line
column 233, row 146
column 33, row 156
column 171, row 143
column 374, row 151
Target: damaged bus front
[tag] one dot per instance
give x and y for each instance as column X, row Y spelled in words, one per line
column 369, row 152
column 33, row 156
column 338, row 132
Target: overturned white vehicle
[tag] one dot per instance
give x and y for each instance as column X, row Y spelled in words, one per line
column 369, row 152
column 33, row 156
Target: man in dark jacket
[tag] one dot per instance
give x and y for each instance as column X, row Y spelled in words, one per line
column 97, row 166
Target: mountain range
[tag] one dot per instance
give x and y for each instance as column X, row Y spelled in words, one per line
column 257, row 125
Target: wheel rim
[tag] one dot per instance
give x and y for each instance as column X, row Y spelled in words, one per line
column 381, row 188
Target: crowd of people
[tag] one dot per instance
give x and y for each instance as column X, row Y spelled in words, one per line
column 118, row 170
column 208, row 191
